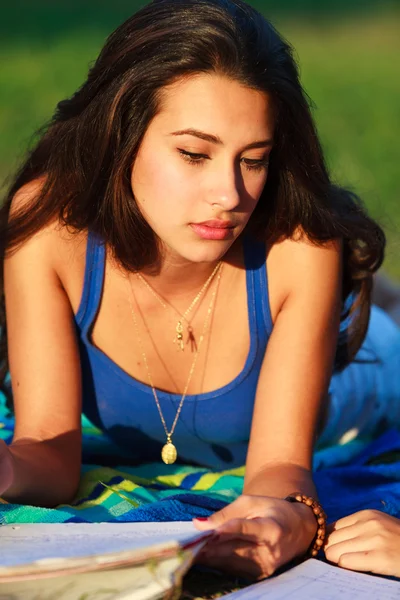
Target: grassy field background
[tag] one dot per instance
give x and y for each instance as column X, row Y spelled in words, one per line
column 348, row 53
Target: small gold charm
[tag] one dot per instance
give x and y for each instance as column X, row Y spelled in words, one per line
column 169, row 453
column 179, row 336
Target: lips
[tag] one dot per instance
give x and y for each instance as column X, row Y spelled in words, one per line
column 216, row 224
column 213, row 229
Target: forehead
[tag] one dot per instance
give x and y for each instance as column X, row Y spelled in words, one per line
column 214, row 103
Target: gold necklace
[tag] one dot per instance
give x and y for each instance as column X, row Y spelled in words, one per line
column 178, row 339
column 169, row 453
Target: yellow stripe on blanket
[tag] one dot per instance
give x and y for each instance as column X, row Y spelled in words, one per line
column 208, row 480
column 172, row 480
column 125, row 485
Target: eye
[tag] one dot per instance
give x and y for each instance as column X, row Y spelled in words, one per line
column 256, row 164
column 191, row 157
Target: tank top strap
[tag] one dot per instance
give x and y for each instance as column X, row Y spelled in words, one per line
column 257, row 282
column 93, row 282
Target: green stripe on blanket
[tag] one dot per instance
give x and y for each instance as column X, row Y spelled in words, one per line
column 95, row 503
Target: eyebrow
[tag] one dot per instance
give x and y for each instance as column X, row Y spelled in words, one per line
column 214, row 139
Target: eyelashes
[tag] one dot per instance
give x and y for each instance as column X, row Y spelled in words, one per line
column 256, row 165
column 192, row 158
column 198, row 159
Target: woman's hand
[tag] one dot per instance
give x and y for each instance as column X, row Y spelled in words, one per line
column 256, row 535
column 6, row 467
column 368, row 540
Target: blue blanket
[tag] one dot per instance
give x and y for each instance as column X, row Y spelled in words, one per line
column 367, row 482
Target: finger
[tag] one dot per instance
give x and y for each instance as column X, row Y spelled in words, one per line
column 235, row 510
column 341, row 535
column 217, row 518
column 346, row 522
column 349, row 546
column 249, row 529
column 244, row 507
column 363, row 561
column 257, row 530
column 359, row 517
column 370, row 523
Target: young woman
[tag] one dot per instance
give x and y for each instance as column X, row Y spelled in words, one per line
column 177, row 265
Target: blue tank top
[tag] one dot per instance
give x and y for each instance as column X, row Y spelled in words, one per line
column 213, row 428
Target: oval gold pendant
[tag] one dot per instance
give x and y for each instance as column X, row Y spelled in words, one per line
column 169, row 453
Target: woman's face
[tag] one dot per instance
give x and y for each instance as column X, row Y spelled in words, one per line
column 203, row 164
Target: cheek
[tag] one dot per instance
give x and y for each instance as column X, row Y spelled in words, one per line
column 156, row 181
column 254, row 188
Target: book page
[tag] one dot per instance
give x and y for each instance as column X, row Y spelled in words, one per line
column 315, row 580
column 26, row 543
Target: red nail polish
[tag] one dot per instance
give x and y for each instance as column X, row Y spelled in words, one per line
column 201, row 518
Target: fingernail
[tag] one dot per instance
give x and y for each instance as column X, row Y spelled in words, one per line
column 201, row 519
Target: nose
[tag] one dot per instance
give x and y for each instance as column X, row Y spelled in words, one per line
column 225, row 191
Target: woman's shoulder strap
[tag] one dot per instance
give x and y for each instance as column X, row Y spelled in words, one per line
column 255, row 254
column 93, row 281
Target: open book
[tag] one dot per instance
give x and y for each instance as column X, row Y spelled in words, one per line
column 102, row 561
column 143, row 561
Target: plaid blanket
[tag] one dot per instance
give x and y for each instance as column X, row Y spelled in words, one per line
column 355, row 476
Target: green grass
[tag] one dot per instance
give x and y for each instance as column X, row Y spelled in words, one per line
column 347, row 53
column 354, row 80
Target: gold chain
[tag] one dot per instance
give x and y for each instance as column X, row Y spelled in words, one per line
column 183, row 316
column 169, row 452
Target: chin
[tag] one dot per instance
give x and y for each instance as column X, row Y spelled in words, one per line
column 204, row 252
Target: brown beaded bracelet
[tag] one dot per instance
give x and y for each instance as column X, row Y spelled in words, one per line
column 320, row 517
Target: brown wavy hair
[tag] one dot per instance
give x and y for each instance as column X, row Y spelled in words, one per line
column 86, row 151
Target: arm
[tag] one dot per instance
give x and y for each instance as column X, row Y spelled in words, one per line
column 296, row 370
column 45, row 371
column 264, row 531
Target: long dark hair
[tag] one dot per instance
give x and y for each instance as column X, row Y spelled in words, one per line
column 86, row 151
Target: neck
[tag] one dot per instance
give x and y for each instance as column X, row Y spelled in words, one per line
column 179, row 277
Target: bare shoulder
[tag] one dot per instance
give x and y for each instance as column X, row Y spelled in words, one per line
column 302, row 252
column 60, row 248
column 299, row 263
